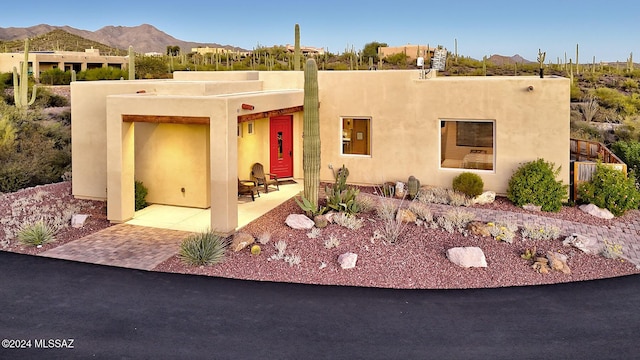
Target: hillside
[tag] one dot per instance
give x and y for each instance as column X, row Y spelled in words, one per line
column 144, row 38
column 59, row 40
column 501, row 60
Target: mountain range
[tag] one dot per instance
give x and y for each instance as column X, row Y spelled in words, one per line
column 144, row 38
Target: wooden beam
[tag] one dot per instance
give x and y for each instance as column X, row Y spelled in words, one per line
column 162, row 119
column 268, row 114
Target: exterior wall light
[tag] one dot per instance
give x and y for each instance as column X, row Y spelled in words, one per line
column 247, row 107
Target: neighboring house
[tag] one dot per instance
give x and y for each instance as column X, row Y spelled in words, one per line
column 190, row 138
column 40, row 61
column 219, row 50
column 306, row 50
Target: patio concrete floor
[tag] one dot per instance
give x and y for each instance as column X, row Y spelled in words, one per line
column 196, row 220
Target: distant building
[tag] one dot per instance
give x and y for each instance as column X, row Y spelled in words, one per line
column 40, row 61
column 412, row 51
column 219, row 50
column 306, row 50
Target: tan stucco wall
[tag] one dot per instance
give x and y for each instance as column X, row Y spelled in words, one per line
column 88, row 124
column 253, row 148
column 216, row 75
column 405, row 114
column 405, row 123
column 170, row 158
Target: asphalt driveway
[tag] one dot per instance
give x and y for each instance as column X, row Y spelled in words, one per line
column 76, row 310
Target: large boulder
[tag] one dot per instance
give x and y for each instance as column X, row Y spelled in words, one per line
column 241, row 240
column 594, row 210
column 348, row 260
column 299, row 222
column 406, row 215
column 532, row 207
column 78, row 220
column 588, row 245
column 478, row 228
column 558, row 262
column 486, row 197
column 467, row 256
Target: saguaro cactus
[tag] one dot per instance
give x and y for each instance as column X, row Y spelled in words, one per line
column 132, row 63
column 296, row 50
column 541, row 56
column 311, row 134
column 21, row 82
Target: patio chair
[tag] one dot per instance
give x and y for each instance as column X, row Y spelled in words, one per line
column 248, row 187
column 258, row 175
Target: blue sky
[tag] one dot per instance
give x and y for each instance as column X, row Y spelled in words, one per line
column 608, row 31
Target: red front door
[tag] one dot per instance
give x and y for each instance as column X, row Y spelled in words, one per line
column 281, row 145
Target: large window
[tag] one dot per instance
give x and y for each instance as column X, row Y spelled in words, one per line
column 467, row 144
column 356, row 136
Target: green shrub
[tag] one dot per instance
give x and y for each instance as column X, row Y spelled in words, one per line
column 45, row 98
column 55, row 77
column 37, row 233
column 206, row 248
column 610, row 189
column 141, row 192
column 535, row 183
column 108, row 73
column 629, row 153
column 469, row 184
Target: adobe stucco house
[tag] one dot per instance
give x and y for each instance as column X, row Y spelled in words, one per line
column 190, row 138
column 40, row 61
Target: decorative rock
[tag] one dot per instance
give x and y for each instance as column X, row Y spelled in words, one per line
column 299, row 222
column 78, row 220
column 478, row 228
column 558, row 262
column 241, row 240
column 400, row 189
column 467, row 256
column 531, row 207
column 406, row 215
column 588, row 245
column 541, row 265
column 594, row 210
column 348, row 260
column 320, row 221
column 329, row 216
column 486, row 197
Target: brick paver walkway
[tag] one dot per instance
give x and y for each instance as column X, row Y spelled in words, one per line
column 124, row 245
column 145, row 247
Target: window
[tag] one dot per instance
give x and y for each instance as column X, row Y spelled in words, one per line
column 356, row 136
column 239, row 130
column 250, row 128
column 467, row 144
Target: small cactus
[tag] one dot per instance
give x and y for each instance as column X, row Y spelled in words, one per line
column 413, row 186
column 255, row 250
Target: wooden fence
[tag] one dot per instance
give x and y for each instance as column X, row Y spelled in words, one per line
column 584, row 155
